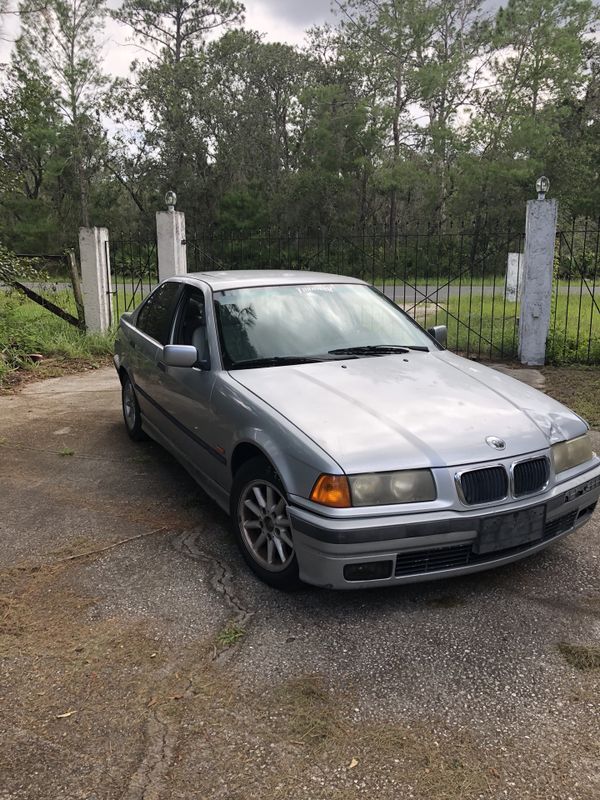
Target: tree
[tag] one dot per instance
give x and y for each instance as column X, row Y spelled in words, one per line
column 30, row 141
column 58, row 43
column 176, row 29
column 538, row 69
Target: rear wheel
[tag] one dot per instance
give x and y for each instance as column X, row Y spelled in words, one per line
column 262, row 526
column 131, row 411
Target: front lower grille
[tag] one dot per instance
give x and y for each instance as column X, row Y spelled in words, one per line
column 442, row 558
column 432, row 560
column 484, row 485
column 560, row 525
column 530, row 476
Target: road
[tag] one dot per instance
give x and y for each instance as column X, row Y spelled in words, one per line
column 140, row 659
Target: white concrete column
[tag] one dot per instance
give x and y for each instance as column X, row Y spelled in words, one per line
column 540, row 239
column 96, row 280
column 170, row 236
column 514, row 277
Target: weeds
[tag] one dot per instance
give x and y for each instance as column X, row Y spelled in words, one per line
column 230, row 635
column 581, row 656
column 26, row 328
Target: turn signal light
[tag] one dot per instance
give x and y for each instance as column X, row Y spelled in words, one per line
column 332, row 490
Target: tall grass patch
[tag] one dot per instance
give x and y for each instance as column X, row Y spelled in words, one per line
column 26, row 328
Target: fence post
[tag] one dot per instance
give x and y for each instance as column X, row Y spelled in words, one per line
column 540, row 242
column 170, row 237
column 95, row 278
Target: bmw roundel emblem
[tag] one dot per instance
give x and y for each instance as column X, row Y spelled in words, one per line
column 496, row 442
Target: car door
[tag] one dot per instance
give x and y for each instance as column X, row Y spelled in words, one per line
column 153, row 326
column 185, row 392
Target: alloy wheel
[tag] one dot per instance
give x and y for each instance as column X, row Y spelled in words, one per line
column 265, row 526
column 129, row 409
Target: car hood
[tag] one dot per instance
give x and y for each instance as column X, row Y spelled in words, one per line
column 415, row 410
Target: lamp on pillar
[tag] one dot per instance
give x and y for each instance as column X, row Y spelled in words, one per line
column 542, row 186
column 171, row 199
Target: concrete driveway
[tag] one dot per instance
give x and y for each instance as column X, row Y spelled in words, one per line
column 140, row 659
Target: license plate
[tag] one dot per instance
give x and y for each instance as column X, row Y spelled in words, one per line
column 510, row 530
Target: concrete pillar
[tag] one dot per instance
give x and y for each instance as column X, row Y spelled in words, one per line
column 170, row 236
column 540, row 238
column 514, row 277
column 96, row 280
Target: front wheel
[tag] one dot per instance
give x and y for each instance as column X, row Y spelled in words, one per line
column 131, row 412
column 262, row 526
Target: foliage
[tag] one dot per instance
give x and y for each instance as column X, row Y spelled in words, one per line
column 14, row 268
column 439, row 111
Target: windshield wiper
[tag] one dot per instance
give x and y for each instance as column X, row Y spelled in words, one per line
column 377, row 349
column 275, row 361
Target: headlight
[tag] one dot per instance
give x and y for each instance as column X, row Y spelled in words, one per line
column 388, row 488
column 567, row 455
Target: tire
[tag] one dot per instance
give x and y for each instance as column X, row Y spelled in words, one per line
column 131, row 412
column 262, row 526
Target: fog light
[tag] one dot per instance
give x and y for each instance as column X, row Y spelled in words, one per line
column 369, row 571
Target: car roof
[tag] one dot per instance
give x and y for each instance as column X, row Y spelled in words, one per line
column 240, row 278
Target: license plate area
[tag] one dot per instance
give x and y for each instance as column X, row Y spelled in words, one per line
column 507, row 531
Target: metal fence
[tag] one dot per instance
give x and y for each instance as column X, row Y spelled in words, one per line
column 134, row 270
column 574, row 335
column 454, row 277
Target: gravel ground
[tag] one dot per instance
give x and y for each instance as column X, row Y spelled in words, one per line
column 158, row 667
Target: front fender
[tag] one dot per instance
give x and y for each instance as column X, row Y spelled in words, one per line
column 297, row 459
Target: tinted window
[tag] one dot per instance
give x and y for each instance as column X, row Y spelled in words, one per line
column 156, row 314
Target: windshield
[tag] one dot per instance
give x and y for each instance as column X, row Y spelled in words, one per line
column 283, row 323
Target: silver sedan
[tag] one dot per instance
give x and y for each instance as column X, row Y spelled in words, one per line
column 348, row 446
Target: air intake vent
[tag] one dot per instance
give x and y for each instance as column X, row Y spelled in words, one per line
column 530, row 476
column 416, row 563
column 484, row 485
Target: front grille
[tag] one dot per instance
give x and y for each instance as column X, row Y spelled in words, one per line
column 441, row 558
column 530, row 476
column 432, row 560
column 484, row 485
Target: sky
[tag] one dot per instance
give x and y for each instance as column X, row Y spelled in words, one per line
column 278, row 20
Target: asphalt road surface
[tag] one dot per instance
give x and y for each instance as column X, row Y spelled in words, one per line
column 140, row 659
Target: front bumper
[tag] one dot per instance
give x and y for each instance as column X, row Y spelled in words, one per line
column 420, row 547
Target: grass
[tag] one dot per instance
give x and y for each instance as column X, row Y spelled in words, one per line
column 578, row 388
column 487, row 327
column 229, row 635
column 26, row 328
column 581, row 656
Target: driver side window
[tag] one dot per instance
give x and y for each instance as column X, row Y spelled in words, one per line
column 156, row 315
column 191, row 329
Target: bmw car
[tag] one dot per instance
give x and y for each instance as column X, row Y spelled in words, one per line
column 349, row 447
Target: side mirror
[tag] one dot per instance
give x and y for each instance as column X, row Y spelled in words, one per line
column 179, row 355
column 439, row 333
